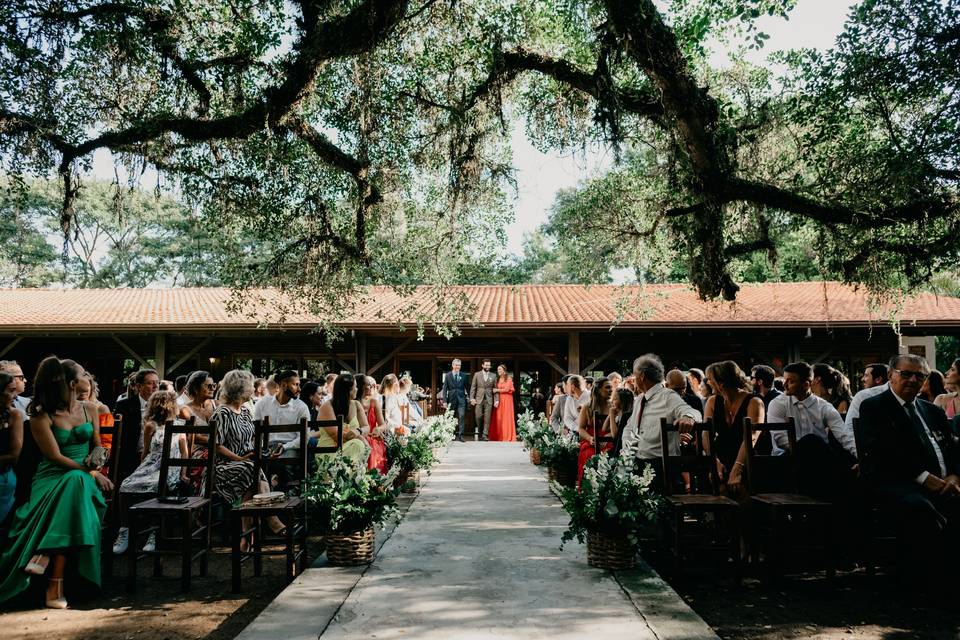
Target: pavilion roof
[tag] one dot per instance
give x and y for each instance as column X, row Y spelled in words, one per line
column 520, row 306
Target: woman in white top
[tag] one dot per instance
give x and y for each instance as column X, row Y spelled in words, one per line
column 392, row 401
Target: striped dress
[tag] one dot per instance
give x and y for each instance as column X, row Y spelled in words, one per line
column 234, row 478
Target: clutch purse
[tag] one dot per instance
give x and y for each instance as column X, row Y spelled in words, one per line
column 96, row 458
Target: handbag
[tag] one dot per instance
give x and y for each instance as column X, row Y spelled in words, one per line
column 97, row 457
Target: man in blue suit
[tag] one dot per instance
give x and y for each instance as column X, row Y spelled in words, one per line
column 454, row 394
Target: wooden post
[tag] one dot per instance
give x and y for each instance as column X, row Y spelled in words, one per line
column 361, row 353
column 160, row 354
column 573, row 353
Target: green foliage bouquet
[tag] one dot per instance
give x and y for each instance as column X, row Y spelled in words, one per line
column 612, row 499
column 559, row 450
column 409, row 453
column 438, row 431
column 344, row 497
column 534, row 432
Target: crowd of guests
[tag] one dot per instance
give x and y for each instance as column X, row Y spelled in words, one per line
column 52, row 502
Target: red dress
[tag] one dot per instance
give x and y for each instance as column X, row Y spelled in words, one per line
column 378, row 448
column 503, row 424
column 587, row 450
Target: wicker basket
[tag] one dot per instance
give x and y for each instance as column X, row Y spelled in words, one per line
column 535, row 456
column 606, row 551
column 565, row 475
column 347, row 550
column 405, row 478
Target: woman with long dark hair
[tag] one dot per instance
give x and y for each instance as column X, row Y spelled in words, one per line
column 66, row 507
column 933, row 387
column 727, row 408
column 594, row 413
column 343, row 403
column 950, row 401
column 11, row 442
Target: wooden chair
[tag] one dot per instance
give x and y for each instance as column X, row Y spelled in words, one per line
column 292, row 510
column 775, row 514
column 193, row 543
column 111, row 521
column 686, row 527
column 878, row 534
column 316, row 425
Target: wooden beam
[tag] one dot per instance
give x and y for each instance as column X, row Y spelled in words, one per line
column 10, row 346
column 573, row 352
column 606, row 354
column 390, row 355
column 361, row 352
column 190, row 354
column 550, row 361
column 160, row 354
column 133, row 354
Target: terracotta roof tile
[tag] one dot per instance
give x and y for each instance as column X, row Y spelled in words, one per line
column 772, row 304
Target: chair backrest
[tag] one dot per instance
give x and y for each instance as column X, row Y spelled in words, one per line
column 208, row 464
column 261, row 442
column 323, row 424
column 770, row 469
column 700, row 463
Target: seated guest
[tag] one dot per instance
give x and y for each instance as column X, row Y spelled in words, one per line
column 200, row 406
column 133, row 408
column 145, row 479
column 11, row 441
column 594, row 415
column 676, row 381
column 66, row 507
column 616, row 380
column 284, row 407
column 641, row 437
column 394, row 401
column 326, row 390
column 415, row 415
column 559, row 402
column 311, row 393
column 344, row 404
column 832, row 386
column 822, row 472
column 11, row 368
column 933, row 387
column 733, row 402
column 577, row 397
column 695, row 380
column 376, row 425
column 763, row 377
column 950, row 400
column 874, row 381
column 911, row 460
column 180, row 386
column 621, row 408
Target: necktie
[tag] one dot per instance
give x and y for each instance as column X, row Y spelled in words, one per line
column 911, row 409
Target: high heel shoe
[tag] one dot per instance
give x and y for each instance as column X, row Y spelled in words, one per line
column 37, row 565
column 59, row 602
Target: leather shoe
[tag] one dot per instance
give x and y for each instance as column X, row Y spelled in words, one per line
column 484, row 438
column 459, row 438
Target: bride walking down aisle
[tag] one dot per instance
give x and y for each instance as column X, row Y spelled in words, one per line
column 503, row 426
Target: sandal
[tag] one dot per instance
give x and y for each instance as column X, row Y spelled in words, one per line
column 59, row 602
column 37, row 565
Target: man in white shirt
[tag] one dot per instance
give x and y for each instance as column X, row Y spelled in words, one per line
column 822, row 471
column 874, row 381
column 577, row 397
column 641, row 437
column 284, row 408
column 12, row 368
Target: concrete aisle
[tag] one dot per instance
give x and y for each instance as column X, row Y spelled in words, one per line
column 477, row 556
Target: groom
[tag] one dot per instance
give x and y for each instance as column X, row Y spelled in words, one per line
column 454, row 394
column 481, row 398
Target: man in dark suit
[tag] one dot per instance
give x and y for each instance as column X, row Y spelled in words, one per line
column 454, row 394
column 911, row 461
column 133, row 408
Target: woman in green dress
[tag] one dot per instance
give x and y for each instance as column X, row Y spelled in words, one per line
column 342, row 403
column 62, row 519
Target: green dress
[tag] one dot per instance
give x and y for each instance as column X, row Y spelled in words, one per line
column 357, row 449
column 63, row 515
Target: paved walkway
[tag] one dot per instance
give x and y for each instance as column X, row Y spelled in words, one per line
column 477, row 556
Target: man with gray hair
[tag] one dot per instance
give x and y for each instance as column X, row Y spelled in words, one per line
column 453, row 394
column 641, row 436
column 911, row 461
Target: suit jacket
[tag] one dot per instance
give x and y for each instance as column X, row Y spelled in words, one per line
column 128, row 457
column 482, row 386
column 454, row 391
column 894, row 453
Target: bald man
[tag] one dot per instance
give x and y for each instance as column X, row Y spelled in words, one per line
column 676, row 380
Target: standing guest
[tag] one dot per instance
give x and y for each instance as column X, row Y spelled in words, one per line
column 234, row 478
column 630, row 383
column 145, row 479
column 588, row 384
column 911, row 460
column 695, row 378
column 779, row 385
column 576, row 398
column 66, row 506
column 616, row 380
column 538, row 402
column 482, row 391
column 453, row 394
column 763, row 377
column 593, row 415
column 641, row 437
column 413, row 401
column 326, row 392
column 559, row 400
column 131, row 388
column 621, row 408
column 821, row 471
column 11, row 441
column 283, row 408
column 933, row 387
column 733, row 402
column 831, row 385
column 950, row 401
column 311, row 393
column 180, row 387
column 372, row 405
column 676, row 381
column 503, row 424
column 344, row 404
column 393, row 403
column 874, row 375
column 133, row 409
column 11, row 368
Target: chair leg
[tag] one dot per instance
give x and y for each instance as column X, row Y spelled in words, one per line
column 291, row 556
column 132, row 553
column 773, row 547
column 258, row 546
column 187, row 550
column 677, row 544
column 831, row 548
column 237, row 528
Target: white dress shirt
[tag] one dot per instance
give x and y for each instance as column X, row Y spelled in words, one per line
column 643, row 440
column 813, row 414
column 291, row 413
column 853, row 411
column 571, row 411
column 21, row 403
column 936, row 447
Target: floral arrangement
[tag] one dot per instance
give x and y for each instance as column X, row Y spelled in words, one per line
column 534, row 432
column 559, row 450
column 439, row 430
column 409, row 453
column 612, row 499
column 344, row 497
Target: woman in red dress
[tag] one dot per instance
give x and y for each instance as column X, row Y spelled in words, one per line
column 594, row 412
column 503, row 425
column 370, row 401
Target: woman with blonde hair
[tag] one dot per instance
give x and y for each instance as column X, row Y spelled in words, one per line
column 731, row 403
column 373, row 409
column 393, row 402
column 950, row 401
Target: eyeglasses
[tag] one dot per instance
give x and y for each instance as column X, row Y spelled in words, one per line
column 20, row 377
column 916, row 375
column 210, row 385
